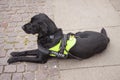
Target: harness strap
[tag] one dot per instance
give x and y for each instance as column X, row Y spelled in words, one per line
column 63, row 46
column 61, row 50
column 63, row 43
column 60, row 53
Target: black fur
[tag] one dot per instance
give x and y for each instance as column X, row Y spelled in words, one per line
column 88, row 42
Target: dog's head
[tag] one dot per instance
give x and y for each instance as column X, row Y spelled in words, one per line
column 40, row 24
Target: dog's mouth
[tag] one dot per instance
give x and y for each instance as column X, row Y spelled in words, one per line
column 30, row 31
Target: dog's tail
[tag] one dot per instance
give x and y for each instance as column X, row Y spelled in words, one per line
column 103, row 31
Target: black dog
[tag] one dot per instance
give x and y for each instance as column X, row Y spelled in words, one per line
column 81, row 45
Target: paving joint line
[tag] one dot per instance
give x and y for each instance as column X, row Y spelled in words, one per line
column 95, row 28
column 90, row 67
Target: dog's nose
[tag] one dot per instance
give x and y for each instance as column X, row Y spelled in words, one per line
column 23, row 27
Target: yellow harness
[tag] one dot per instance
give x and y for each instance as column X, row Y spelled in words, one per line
column 70, row 43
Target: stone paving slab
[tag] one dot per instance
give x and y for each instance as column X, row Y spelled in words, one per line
column 116, row 4
column 13, row 15
column 79, row 14
column 5, row 76
column 110, row 56
column 97, row 73
column 17, row 76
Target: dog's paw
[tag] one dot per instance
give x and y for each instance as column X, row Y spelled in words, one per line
column 12, row 60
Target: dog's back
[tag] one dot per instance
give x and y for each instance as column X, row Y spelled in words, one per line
column 89, row 43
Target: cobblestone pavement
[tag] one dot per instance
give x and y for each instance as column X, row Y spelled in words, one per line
column 15, row 13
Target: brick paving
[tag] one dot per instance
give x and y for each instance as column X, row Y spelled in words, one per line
column 13, row 15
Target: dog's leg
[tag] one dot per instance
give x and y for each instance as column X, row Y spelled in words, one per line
column 27, row 59
column 41, row 58
column 25, row 53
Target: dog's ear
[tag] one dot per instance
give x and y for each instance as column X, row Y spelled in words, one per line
column 43, row 27
column 51, row 25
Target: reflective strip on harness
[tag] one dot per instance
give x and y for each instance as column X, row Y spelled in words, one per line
column 70, row 43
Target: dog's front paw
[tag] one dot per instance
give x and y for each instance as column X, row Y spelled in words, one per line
column 13, row 60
